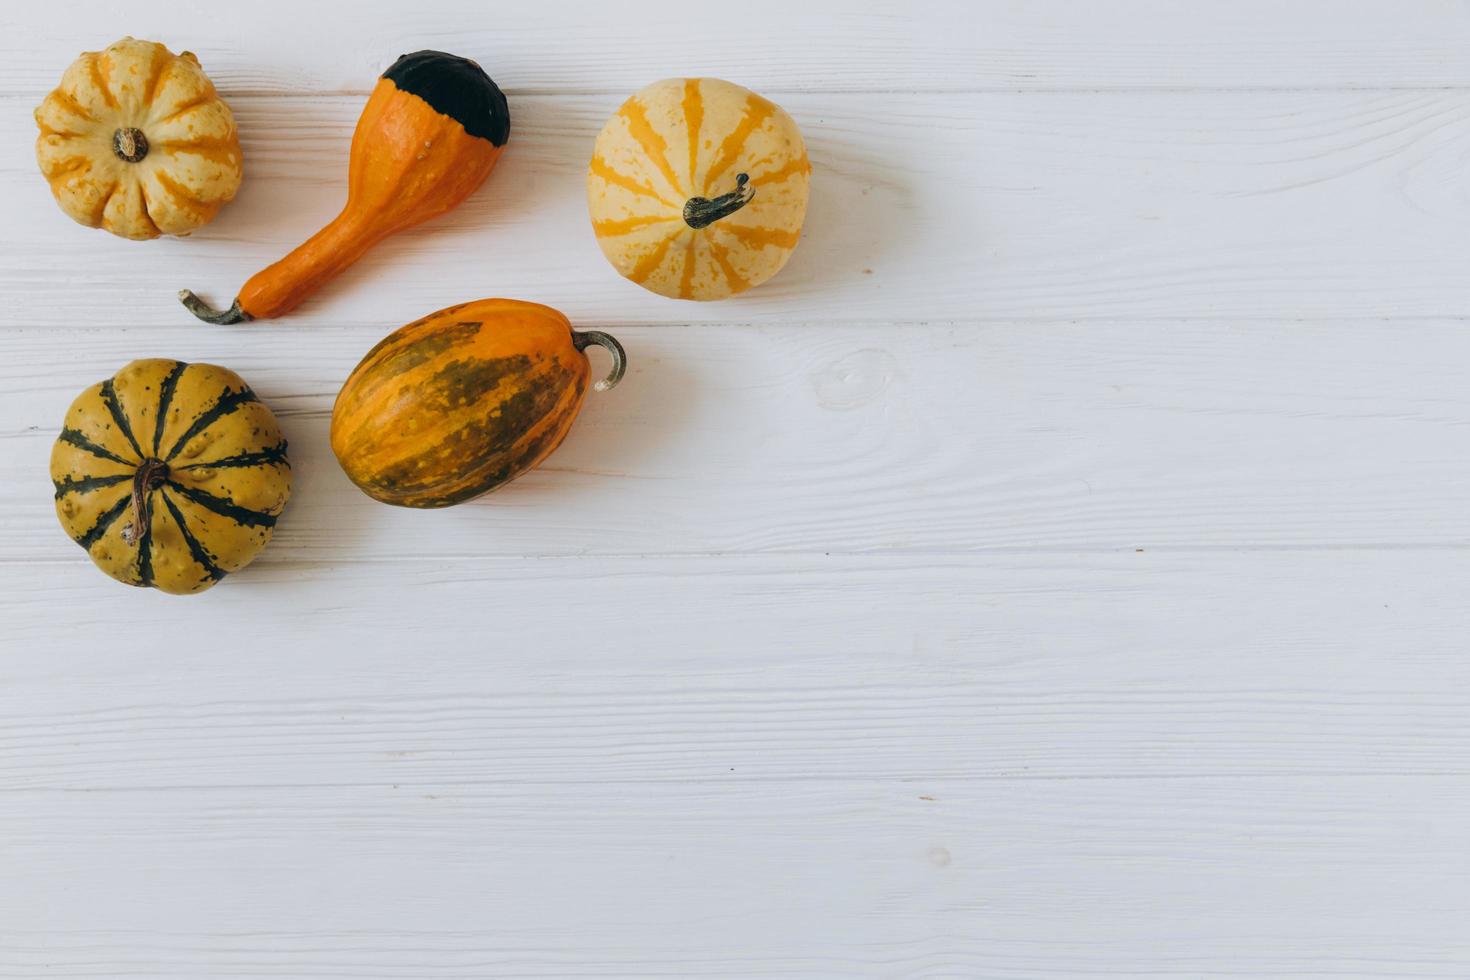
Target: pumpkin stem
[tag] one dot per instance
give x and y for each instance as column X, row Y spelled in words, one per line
column 129, row 144
column 609, row 343
column 150, row 477
column 209, row 314
column 700, row 212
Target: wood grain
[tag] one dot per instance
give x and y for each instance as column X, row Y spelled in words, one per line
column 877, row 47
column 780, row 669
column 951, row 437
column 993, row 206
column 1056, row 572
column 1086, row 878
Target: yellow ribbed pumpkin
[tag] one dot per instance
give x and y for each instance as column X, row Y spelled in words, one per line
column 170, row 474
column 136, row 140
column 698, row 188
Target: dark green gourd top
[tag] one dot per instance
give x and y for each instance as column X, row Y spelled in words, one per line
column 456, row 87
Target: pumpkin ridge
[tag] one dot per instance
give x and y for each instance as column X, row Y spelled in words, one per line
column 648, row 138
column 65, row 167
column 157, row 68
column 108, row 394
column 48, row 131
column 650, row 262
column 195, row 145
column 271, row 454
column 228, row 401
column 603, row 169
column 207, row 96
column 210, row 148
column 796, row 165
column 196, row 549
column 757, row 111
column 693, row 106
column 181, row 195
column 625, row 225
column 104, row 521
column 224, row 507
column 71, row 104
column 148, row 206
column 95, row 70
column 165, row 398
column 86, row 484
column 686, row 278
column 122, row 187
column 143, row 205
column 74, row 437
column 99, row 213
column 722, row 259
column 761, row 237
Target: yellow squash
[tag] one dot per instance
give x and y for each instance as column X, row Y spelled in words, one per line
column 136, row 141
column 697, row 188
column 463, row 401
column 170, row 474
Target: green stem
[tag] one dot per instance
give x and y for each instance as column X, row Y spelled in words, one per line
column 609, row 343
column 700, row 212
column 209, row 314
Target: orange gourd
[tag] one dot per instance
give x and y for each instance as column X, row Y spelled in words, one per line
column 463, row 401
column 429, row 135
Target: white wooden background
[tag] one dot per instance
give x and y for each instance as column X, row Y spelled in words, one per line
column 1060, row 570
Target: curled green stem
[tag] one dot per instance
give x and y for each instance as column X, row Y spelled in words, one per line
column 582, row 338
column 209, row 314
column 701, row 212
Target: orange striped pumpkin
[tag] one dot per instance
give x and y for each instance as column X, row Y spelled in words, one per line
column 698, row 188
column 136, row 141
column 463, row 401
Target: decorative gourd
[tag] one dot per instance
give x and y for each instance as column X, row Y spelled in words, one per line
column 170, row 474
column 697, row 188
column 136, row 141
column 428, row 137
column 463, row 401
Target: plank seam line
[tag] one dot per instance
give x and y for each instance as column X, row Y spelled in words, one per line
column 814, row 780
column 289, row 564
column 620, row 92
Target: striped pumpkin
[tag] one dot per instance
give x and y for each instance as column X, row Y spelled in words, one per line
column 697, row 188
column 136, row 140
column 463, row 401
column 170, row 475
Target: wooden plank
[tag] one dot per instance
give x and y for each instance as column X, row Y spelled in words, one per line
column 866, row 438
column 1079, row 878
column 780, row 47
column 991, row 206
column 757, row 670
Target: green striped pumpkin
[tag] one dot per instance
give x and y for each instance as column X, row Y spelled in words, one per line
column 170, row 475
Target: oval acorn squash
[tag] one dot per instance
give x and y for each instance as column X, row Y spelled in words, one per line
column 429, row 135
column 463, row 401
column 697, row 188
column 136, row 141
column 170, row 474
